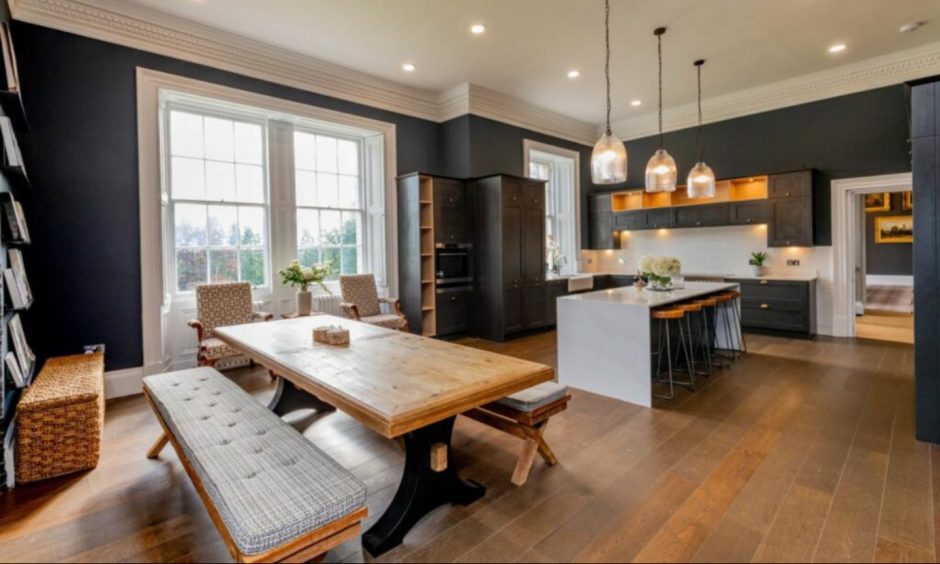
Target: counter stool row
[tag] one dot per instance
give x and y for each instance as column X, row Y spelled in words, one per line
column 694, row 325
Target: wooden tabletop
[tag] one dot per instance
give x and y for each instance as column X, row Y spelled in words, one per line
column 391, row 381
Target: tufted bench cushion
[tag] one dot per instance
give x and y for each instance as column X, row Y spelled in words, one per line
column 535, row 397
column 267, row 482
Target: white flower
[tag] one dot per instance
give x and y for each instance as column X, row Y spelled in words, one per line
column 646, row 264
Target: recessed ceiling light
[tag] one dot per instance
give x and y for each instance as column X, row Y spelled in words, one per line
column 574, row 74
column 408, row 67
column 837, row 48
column 636, row 103
column 477, row 29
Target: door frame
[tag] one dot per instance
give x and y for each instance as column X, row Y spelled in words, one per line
column 845, row 237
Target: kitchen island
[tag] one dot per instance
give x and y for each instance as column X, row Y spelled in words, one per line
column 605, row 338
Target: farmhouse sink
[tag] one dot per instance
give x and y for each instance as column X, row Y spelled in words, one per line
column 581, row 282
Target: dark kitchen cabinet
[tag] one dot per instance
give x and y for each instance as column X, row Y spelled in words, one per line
column 554, row 289
column 629, row 220
column 778, row 305
column 509, row 246
column 702, row 216
column 453, row 311
column 602, row 231
column 621, row 280
column 750, row 212
column 657, row 218
column 450, row 212
column 791, row 210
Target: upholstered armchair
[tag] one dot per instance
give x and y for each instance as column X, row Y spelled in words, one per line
column 221, row 305
column 361, row 302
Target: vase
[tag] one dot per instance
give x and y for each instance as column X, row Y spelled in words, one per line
column 304, row 302
column 661, row 283
column 757, row 270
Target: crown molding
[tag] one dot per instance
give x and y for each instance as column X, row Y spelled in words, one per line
column 139, row 27
column 886, row 70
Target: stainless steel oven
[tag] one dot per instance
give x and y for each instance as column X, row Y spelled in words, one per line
column 453, row 265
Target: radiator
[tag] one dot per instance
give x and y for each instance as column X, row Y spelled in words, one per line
column 328, row 304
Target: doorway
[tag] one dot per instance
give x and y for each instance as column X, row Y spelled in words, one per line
column 872, row 251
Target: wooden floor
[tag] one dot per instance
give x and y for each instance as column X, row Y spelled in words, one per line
column 802, row 451
column 885, row 326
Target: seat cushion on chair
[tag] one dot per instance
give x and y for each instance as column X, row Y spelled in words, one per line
column 360, row 289
column 216, row 349
column 268, row 483
column 391, row 321
column 535, row 397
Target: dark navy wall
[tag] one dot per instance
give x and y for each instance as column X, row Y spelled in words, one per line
column 895, row 259
column 856, row 135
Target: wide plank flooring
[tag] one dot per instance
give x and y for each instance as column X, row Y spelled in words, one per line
column 802, row 451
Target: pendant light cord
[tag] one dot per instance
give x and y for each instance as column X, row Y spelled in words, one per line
column 698, row 66
column 607, row 57
column 659, row 47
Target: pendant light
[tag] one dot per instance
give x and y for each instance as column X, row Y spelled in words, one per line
column 701, row 181
column 661, row 169
column 609, row 158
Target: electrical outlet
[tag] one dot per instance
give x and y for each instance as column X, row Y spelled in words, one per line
column 793, row 262
column 92, row 349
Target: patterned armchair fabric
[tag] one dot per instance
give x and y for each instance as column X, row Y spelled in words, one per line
column 361, row 302
column 221, row 305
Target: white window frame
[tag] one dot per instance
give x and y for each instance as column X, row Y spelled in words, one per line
column 171, row 101
column 567, row 209
column 379, row 139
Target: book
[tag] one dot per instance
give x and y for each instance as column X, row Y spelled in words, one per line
column 9, row 58
column 19, row 269
column 23, row 353
column 13, row 367
column 11, row 148
column 14, row 289
column 21, row 221
column 11, row 228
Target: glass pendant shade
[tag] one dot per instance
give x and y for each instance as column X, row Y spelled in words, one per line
column 701, row 181
column 661, row 172
column 609, row 161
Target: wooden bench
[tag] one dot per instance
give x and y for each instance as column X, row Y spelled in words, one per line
column 525, row 415
column 271, row 493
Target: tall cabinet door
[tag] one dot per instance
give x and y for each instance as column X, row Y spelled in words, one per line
column 513, row 262
column 533, row 253
column 450, row 212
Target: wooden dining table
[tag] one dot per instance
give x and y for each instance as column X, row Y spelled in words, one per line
column 397, row 384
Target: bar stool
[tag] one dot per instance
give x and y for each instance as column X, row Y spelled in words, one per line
column 663, row 318
column 735, row 306
column 710, row 324
column 727, row 305
column 698, row 336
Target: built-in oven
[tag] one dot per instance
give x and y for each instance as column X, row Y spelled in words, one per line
column 453, row 265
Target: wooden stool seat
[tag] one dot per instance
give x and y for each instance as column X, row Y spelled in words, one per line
column 707, row 302
column 673, row 313
column 690, row 307
column 723, row 298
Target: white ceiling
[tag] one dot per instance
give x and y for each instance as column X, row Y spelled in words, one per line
column 530, row 45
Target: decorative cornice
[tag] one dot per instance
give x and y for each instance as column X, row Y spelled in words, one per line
column 886, row 70
column 142, row 28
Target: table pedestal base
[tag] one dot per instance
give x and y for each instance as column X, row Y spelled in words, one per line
column 421, row 490
column 288, row 398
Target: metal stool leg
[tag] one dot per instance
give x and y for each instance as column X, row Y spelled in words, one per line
column 672, row 388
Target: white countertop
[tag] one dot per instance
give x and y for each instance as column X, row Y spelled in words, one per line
column 798, row 276
column 630, row 296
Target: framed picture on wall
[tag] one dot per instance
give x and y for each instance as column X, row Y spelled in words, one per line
column 878, row 202
column 908, row 201
column 894, row 229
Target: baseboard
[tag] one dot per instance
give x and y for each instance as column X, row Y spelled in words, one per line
column 888, row 280
column 121, row 383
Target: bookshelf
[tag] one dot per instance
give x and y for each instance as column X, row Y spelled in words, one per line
column 14, row 242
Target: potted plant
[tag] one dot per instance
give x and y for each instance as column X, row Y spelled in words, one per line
column 556, row 258
column 660, row 271
column 301, row 277
column 758, row 259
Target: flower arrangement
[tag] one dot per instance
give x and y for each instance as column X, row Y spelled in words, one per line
column 660, row 270
column 302, row 277
column 555, row 257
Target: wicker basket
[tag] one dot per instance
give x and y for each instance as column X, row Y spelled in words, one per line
column 59, row 419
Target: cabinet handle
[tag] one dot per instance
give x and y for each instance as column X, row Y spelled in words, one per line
column 787, row 194
column 450, row 199
column 748, row 220
column 764, row 282
column 765, row 306
column 698, row 223
column 453, row 236
column 514, row 198
column 453, row 298
column 788, row 243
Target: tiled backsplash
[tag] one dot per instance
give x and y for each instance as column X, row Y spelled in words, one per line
column 719, row 250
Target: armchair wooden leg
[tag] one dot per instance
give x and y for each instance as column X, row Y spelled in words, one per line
column 154, row 451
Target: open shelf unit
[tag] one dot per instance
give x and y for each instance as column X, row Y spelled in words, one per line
column 428, row 290
column 731, row 190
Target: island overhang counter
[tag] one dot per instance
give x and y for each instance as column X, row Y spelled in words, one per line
column 605, row 338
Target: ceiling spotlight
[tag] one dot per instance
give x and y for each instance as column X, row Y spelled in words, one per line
column 477, row 29
column 408, row 67
column 636, row 103
column 574, row 74
column 837, row 48
column 911, row 27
